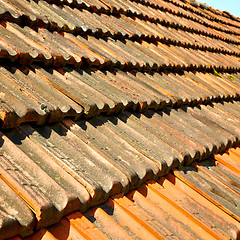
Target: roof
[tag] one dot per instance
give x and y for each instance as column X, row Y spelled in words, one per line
column 99, row 98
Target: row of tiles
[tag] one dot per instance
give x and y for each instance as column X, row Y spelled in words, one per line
column 170, row 10
column 124, row 27
column 174, row 7
column 73, row 19
column 25, row 45
column 206, row 11
column 200, row 15
column 39, row 95
column 85, row 163
column 38, row 44
column 175, row 207
column 105, row 25
column 208, row 20
column 164, row 9
column 196, row 202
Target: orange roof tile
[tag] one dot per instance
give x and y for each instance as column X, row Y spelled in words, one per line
column 173, row 207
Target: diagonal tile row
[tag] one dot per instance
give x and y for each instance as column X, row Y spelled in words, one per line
column 51, row 171
column 168, row 10
column 166, row 209
column 174, row 207
column 61, row 18
column 205, row 11
column 124, row 27
column 199, row 16
column 24, row 45
column 103, row 26
column 47, row 95
column 200, row 201
column 170, row 208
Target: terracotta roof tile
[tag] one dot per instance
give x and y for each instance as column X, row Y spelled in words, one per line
column 100, row 98
column 26, row 178
column 112, row 97
column 102, row 91
column 86, row 162
column 16, row 217
column 176, row 206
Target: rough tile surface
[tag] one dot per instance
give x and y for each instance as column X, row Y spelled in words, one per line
column 100, row 98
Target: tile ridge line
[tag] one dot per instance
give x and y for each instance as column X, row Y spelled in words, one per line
column 58, row 61
column 139, row 38
column 25, row 20
column 4, row 121
column 204, row 6
column 130, row 13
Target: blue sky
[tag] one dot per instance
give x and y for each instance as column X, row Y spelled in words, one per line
column 232, row 6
